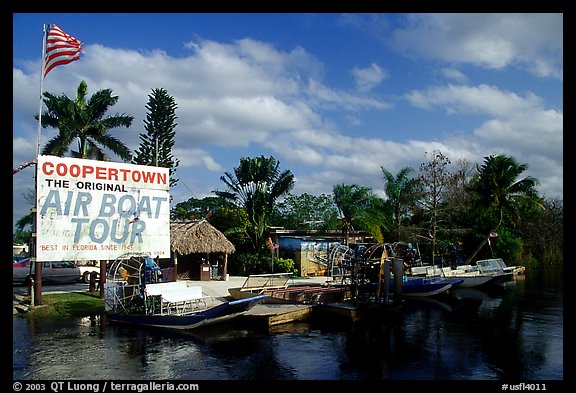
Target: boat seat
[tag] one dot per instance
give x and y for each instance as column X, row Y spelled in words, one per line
column 433, row 271
column 418, row 270
column 157, row 289
column 176, row 297
column 467, row 268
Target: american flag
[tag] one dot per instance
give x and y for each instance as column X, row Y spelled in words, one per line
column 61, row 48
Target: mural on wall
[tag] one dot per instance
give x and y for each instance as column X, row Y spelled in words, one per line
column 310, row 256
column 316, row 252
column 315, row 255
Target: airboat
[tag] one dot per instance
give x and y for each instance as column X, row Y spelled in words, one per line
column 278, row 290
column 373, row 269
column 135, row 294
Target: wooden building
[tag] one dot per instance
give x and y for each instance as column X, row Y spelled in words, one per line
column 199, row 251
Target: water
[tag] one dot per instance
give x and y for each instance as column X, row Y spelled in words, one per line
column 512, row 334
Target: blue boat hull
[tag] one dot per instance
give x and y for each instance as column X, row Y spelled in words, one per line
column 426, row 287
column 423, row 286
column 222, row 312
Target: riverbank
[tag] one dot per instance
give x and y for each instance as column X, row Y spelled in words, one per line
column 85, row 303
column 60, row 305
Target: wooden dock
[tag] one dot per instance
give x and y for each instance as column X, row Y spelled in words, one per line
column 347, row 311
column 267, row 315
column 342, row 310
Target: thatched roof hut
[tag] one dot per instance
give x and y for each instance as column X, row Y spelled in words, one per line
column 190, row 238
column 195, row 237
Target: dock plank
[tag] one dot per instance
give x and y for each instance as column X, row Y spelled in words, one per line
column 276, row 314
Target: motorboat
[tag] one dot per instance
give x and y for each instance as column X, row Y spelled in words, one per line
column 484, row 272
column 278, row 289
column 135, row 296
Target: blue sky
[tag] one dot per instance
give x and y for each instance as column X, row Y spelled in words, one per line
column 334, row 97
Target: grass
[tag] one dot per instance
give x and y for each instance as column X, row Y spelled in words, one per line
column 67, row 305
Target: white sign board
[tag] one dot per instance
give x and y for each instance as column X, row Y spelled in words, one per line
column 99, row 210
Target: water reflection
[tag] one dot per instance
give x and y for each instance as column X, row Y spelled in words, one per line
column 515, row 333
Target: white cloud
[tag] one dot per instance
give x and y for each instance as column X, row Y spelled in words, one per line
column 326, row 97
column 531, row 132
column 454, row 74
column 482, row 99
column 369, row 77
column 191, row 157
column 519, row 126
column 531, row 41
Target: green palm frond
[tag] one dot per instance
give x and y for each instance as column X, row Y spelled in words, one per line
column 84, row 121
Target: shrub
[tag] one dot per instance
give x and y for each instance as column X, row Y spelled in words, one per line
column 282, row 265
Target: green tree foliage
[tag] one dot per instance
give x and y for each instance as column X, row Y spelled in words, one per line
column 157, row 143
column 500, row 192
column 25, row 225
column 284, row 265
column 246, row 263
column 305, row 211
column 255, row 185
column 195, row 208
column 402, row 195
column 501, row 197
column 542, row 231
column 233, row 223
column 86, row 122
column 224, row 215
column 28, row 220
column 359, row 209
column 21, row 237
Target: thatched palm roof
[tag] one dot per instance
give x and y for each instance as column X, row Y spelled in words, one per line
column 194, row 237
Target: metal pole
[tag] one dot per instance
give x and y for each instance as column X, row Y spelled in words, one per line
column 103, row 269
column 156, row 151
column 38, row 264
column 386, row 280
column 42, row 69
column 398, row 270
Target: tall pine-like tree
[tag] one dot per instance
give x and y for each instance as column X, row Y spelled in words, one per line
column 156, row 144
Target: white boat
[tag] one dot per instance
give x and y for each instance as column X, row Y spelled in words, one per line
column 496, row 266
column 258, row 284
column 484, row 272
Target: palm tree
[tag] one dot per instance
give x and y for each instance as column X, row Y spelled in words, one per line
column 256, row 184
column 401, row 193
column 85, row 122
column 359, row 208
column 499, row 189
column 500, row 192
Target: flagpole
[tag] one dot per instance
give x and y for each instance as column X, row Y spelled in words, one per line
column 36, row 287
column 42, row 68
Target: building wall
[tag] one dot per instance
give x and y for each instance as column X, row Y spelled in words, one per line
column 310, row 256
